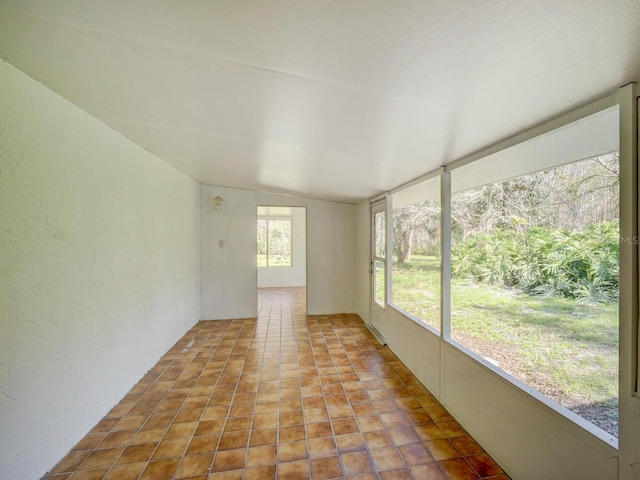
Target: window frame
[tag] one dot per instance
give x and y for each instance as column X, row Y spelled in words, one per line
column 629, row 119
column 442, row 173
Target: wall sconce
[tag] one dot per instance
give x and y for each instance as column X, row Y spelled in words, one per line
column 216, row 203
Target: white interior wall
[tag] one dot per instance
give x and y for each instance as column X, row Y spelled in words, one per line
column 228, row 282
column 229, row 274
column 418, row 348
column 296, row 274
column 98, row 270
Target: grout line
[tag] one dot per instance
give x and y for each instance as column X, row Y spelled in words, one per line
column 282, row 330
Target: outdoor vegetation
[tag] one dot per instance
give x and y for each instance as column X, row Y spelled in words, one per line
column 535, row 266
column 274, row 242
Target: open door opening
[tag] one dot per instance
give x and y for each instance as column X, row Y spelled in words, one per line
column 281, row 254
column 378, row 270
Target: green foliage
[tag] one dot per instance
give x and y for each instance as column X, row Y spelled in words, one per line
column 274, row 242
column 574, row 264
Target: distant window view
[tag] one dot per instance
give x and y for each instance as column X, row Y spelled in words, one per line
column 535, row 267
column 416, row 259
column 535, row 272
column 274, row 242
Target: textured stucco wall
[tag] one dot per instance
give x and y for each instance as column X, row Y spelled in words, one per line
column 99, row 270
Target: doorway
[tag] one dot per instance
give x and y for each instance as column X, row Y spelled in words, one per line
column 281, row 251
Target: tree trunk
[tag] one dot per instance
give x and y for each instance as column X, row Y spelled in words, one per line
column 409, row 249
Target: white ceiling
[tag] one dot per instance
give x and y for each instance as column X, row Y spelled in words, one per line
column 330, row 99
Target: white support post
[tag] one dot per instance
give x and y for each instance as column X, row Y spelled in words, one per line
column 629, row 414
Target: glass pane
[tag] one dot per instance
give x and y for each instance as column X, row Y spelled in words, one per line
column 416, row 260
column 378, row 282
column 262, row 242
column 279, row 238
column 379, row 233
column 535, row 266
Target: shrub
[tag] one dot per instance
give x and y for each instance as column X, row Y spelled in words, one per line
column 581, row 265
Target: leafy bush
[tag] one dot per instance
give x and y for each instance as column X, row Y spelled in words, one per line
column 582, row 265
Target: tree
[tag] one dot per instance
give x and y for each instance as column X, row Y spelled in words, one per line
column 411, row 221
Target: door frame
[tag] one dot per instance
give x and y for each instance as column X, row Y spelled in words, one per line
column 306, row 242
column 377, row 312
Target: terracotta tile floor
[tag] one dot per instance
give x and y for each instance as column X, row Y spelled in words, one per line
column 285, row 396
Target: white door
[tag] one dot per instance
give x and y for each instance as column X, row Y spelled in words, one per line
column 378, row 268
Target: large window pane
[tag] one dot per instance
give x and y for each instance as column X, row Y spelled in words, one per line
column 416, row 251
column 262, row 242
column 274, row 242
column 380, row 235
column 378, row 282
column 379, row 254
column 279, row 243
column 535, row 267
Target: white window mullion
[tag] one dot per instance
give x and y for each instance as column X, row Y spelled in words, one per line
column 445, row 256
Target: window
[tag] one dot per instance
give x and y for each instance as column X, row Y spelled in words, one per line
column 274, row 242
column 379, row 256
column 416, row 251
column 535, row 264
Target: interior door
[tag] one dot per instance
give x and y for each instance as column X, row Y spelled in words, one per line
column 378, row 270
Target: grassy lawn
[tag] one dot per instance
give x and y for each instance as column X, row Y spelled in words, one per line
column 416, row 288
column 564, row 349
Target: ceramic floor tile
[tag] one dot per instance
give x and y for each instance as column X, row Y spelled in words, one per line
column 261, row 456
column 101, row 458
column 403, row 435
column 193, row 465
column 458, row 469
column 326, row 468
column 431, row 471
column 148, row 435
column 171, row 448
column 160, row 469
column 132, row 470
column 233, row 440
column 398, row 474
column 484, row 465
column 283, row 396
column 206, row 444
column 318, row 430
column 259, row 473
column 350, row 442
column 357, row 463
column 70, row 462
column 415, row 454
column 322, row 447
column 263, row 437
column 289, row 452
column 292, row 433
column 387, row 458
column 90, row 441
column 294, row 470
column 229, row 460
column 97, row 474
